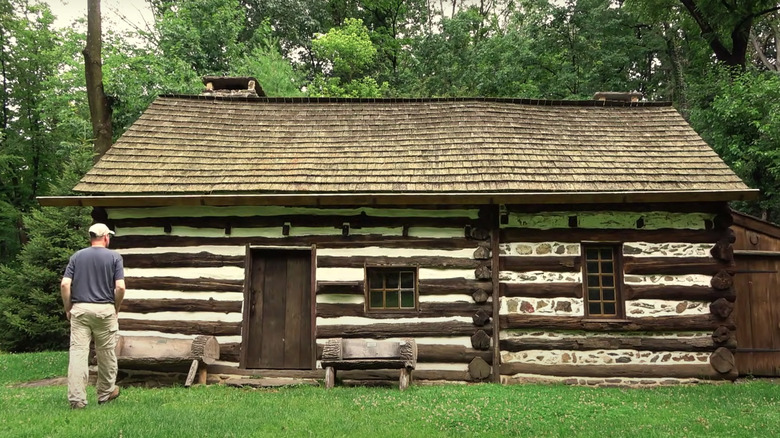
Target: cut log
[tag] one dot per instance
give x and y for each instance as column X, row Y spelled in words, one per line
column 480, row 340
column 359, row 354
column 721, row 335
column 165, row 354
column 482, row 253
column 721, row 308
column 722, row 280
column 483, row 273
column 481, row 318
column 722, row 360
column 480, row 296
column 479, row 369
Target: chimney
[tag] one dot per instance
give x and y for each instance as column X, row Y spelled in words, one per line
column 617, row 96
column 232, row 86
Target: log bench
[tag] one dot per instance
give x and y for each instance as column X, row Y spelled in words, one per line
column 154, row 353
column 360, row 354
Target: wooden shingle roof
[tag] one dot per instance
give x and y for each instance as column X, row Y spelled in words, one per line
column 211, row 145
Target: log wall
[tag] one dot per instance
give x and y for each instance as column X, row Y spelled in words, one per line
column 184, row 271
column 678, row 294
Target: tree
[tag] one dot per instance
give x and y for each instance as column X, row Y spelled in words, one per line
column 99, row 107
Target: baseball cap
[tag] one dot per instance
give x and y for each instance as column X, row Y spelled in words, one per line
column 99, row 230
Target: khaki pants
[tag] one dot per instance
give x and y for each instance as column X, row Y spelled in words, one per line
column 99, row 322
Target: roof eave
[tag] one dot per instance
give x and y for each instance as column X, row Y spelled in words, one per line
column 453, row 198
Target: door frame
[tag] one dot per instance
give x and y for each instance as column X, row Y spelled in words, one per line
column 245, row 319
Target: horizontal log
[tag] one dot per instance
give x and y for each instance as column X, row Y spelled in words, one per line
column 181, row 260
column 674, row 265
column 624, row 235
column 386, row 330
column 296, row 220
column 162, row 364
column 656, row 323
column 184, row 284
column 541, row 290
column 450, row 354
column 391, row 376
column 335, row 241
column 675, row 292
column 213, row 328
column 180, row 305
column 230, row 351
column 422, row 262
column 687, row 207
column 573, row 342
column 271, row 373
column 447, row 286
column 680, row 371
column 540, row 263
column 425, row 310
column 366, row 364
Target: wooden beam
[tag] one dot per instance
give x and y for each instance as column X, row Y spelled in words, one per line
column 540, row 263
column 180, row 305
column 674, row 265
column 184, row 284
column 645, row 343
column 675, row 292
column 387, row 330
column 334, row 241
column 425, row 310
column 212, row 328
column 181, row 260
column 680, row 371
column 422, row 262
column 599, row 235
column 541, row 290
column 655, row 323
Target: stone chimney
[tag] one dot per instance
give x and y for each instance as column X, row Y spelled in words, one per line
column 617, row 96
column 232, row 86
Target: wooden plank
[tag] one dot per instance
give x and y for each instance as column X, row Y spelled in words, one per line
column 181, row 260
column 675, row 292
column 540, row 263
column 340, row 287
column 674, row 265
column 184, row 284
column 388, row 330
column 644, row 343
column 422, row 262
column 297, row 338
column 656, row 323
column 273, row 316
column 314, row 219
column 253, row 339
column 425, row 310
column 334, row 241
column 598, row 235
column 213, row 328
column 677, row 207
column 541, row 290
column 680, row 371
column 180, row 305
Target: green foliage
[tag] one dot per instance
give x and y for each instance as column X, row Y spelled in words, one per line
column 348, row 48
column 31, row 315
column 739, row 115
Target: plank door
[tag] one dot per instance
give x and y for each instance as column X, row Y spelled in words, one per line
column 757, row 316
column 278, row 310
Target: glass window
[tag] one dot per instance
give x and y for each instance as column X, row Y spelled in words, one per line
column 391, row 288
column 601, row 281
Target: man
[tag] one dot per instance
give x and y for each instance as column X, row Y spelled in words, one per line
column 92, row 291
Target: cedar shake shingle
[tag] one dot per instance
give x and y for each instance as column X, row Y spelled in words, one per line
column 197, row 145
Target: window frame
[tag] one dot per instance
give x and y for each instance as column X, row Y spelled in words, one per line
column 390, row 268
column 617, row 273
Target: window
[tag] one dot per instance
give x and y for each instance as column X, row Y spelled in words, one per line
column 391, row 288
column 602, row 281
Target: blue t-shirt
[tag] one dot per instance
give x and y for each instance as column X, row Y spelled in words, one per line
column 94, row 271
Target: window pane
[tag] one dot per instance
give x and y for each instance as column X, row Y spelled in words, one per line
column 407, row 280
column 392, row 280
column 592, row 254
column 593, row 280
column 607, row 267
column 607, row 280
column 375, row 280
column 407, row 299
column 609, row 294
column 606, row 254
column 593, row 267
column 376, row 299
column 391, row 299
column 609, row 309
column 594, row 308
column 594, row 294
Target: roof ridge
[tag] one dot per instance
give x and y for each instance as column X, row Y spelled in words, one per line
column 388, row 100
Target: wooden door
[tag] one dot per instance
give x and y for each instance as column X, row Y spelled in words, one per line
column 278, row 310
column 757, row 315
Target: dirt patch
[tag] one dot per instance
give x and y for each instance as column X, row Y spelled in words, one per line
column 54, row 381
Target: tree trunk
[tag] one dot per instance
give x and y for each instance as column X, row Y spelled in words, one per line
column 99, row 109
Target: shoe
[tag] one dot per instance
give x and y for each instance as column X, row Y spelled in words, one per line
column 114, row 394
column 78, row 405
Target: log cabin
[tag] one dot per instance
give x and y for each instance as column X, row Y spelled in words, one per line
column 514, row 240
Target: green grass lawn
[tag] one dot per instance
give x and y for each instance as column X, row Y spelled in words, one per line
column 726, row 410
